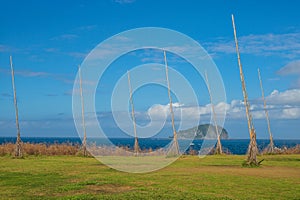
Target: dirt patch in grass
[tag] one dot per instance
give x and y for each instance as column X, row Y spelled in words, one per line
column 108, row 188
column 263, row 171
column 94, row 189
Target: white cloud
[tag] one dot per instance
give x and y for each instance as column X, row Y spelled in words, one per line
column 158, row 111
column 288, row 97
column 66, row 78
column 51, row 50
column 77, row 54
column 31, row 73
column 86, row 28
column 27, row 73
column 281, row 105
column 7, row 48
column 192, row 112
column 292, row 68
column 291, row 113
column 124, row 1
column 283, row 45
column 65, row 37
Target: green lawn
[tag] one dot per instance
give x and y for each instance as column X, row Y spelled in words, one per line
column 212, row 177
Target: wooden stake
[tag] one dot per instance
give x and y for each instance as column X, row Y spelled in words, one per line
column 175, row 141
column 18, row 152
column 219, row 145
column 82, row 114
column 136, row 148
column 271, row 145
column 252, row 150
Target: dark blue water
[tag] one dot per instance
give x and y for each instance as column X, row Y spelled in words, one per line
column 233, row 146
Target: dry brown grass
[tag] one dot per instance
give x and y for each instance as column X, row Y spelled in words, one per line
column 75, row 149
column 284, row 150
column 70, row 149
column 293, row 150
column 41, row 149
column 122, row 151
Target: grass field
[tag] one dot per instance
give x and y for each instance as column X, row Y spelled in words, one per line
column 212, row 177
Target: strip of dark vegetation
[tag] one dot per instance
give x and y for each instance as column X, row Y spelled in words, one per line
column 8, row 149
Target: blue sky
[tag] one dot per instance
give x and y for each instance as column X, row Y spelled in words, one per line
column 49, row 39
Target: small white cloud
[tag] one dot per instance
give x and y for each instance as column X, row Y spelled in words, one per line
column 65, row 37
column 52, row 50
column 176, row 105
column 274, row 92
column 158, row 111
column 32, row 74
column 7, row 48
column 291, row 113
column 124, row 1
column 86, row 28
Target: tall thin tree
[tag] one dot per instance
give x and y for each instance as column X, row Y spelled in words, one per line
column 219, row 145
column 252, row 149
column 136, row 148
column 174, row 146
column 270, row 148
column 82, row 114
column 18, row 151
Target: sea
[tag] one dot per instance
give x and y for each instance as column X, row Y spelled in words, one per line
column 232, row 146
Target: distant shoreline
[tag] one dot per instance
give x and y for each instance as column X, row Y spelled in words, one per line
column 165, row 138
column 232, row 146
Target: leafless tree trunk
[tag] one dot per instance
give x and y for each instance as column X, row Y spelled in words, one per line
column 82, row 115
column 18, row 152
column 252, row 150
column 136, row 148
column 270, row 148
column 174, row 148
column 219, row 145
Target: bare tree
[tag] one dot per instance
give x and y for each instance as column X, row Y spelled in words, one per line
column 219, row 145
column 82, row 114
column 270, row 148
column 136, row 148
column 252, row 149
column 174, row 148
column 18, row 152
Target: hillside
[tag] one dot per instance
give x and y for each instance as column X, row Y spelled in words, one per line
column 203, row 130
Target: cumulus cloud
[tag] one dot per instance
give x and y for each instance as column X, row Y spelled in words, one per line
column 159, row 111
column 281, row 105
column 288, row 97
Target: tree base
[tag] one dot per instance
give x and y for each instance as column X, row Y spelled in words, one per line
column 136, row 148
column 19, row 151
column 218, row 150
column 173, row 150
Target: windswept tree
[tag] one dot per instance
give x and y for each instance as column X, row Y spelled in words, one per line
column 252, row 149
column 219, row 145
column 174, row 148
column 18, row 151
column 136, row 148
column 82, row 114
column 271, row 147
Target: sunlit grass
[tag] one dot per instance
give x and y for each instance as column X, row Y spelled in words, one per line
column 212, row 177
